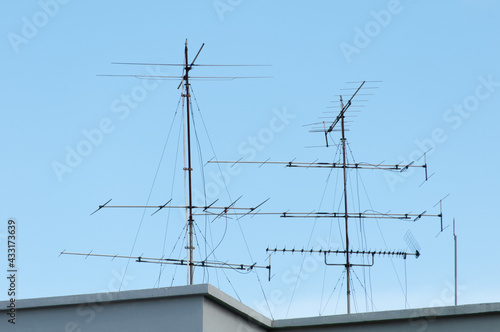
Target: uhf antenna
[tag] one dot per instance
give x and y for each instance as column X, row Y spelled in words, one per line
column 216, row 211
column 346, row 215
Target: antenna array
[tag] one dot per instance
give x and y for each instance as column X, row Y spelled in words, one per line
column 337, row 124
column 326, row 129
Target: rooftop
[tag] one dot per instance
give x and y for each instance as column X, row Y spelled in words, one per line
column 205, row 308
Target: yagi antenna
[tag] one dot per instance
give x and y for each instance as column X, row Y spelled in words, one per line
column 344, row 108
column 204, row 263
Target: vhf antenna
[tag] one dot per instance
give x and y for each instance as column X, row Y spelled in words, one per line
column 345, row 215
column 216, row 211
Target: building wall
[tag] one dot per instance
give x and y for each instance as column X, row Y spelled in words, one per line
column 203, row 308
column 172, row 314
column 216, row 318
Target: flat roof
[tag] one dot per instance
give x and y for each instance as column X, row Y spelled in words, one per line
column 392, row 315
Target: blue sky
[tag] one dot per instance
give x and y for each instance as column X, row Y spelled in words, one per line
column 438, row 63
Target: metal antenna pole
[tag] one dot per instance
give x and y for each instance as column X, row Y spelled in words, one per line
column 190, row 246
column 455, row 239
column 347, row 263
column 190, row 209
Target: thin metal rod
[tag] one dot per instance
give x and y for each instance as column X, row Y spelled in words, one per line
column 347, row 263
column 100, row 207
column 320, row 214
column 425, row 166
column 189, row 170
column 140, row 259
column 161, row 77
column 182, row 64
column 455, row 240
column 196, row 56
column 394, row 167
column 177, row 207
column 363, row 265
column 396, row 216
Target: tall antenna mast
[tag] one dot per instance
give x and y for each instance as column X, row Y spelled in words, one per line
column 345, row 215
column 191, row 210
column 344, row 167
column 347, row 263
column 185, row 95
column 455, row 241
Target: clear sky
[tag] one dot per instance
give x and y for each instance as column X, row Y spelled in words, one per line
column 72, row 140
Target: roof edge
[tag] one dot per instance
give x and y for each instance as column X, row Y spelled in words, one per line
column 106, row 297
column 232, row 304
column 392, row 315
column 205, row 290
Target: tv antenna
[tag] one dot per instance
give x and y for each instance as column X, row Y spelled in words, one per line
column 191, row 210
column 326, row 129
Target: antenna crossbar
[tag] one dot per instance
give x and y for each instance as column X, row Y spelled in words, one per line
column 177, row 207
column 357, row 215
column 393, row 167
column 168, row 77
column 171, row 261
column 219, row 210
column 182, row 64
